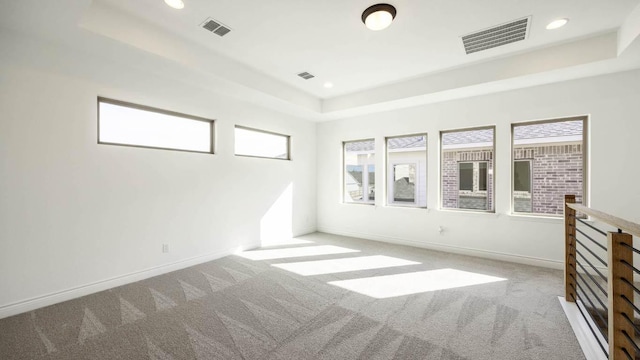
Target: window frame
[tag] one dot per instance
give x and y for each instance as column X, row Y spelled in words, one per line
column 493, row 171
column 459, row 177
column 130, row 105
column 242, row 127
column 365, row 168
column 585, row 162
column 530, row 161
column 486, row 175
column 473, row 181
column 473, row 177
column 388, row 176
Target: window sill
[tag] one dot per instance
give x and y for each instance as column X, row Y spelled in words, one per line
column 396, row 206
column 261, row 157
column 535, row 217
column 472, row 193
column 358, row 203
column 469, row 212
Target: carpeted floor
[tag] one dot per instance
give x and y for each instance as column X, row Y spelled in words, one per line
column 327, row 297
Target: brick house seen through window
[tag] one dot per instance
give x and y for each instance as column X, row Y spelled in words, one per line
column 548, row 163
column 467, row 169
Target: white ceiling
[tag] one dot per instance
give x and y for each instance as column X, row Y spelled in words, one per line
column 283, row 37
column 419, row 59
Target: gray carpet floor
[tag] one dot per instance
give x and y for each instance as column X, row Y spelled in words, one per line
column 330, row 297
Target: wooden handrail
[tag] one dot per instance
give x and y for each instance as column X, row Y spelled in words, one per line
column 620, row 273
column 626, row 225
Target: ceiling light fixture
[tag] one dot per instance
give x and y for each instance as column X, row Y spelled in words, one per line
column 328, row 85
column 379, row 16
column 176, row 4
column 557, row 24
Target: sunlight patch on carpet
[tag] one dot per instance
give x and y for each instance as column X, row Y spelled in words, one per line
column 387, row 286
column 295, row 252
column 334, row 266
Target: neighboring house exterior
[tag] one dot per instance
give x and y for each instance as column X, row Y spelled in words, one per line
column 467, row 169
column 359, row 177
column 548, row 164
column 407, row 171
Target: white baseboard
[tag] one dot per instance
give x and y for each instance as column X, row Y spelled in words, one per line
column 494, row 255
column 307, row 231
column 587, row 341
column 76, row 292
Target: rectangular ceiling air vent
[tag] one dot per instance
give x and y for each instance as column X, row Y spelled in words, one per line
column 497, row 36
column 305, row 75
column 215, row 27
column 222, row 31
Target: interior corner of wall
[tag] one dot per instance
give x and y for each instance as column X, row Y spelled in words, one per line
column 629, row 32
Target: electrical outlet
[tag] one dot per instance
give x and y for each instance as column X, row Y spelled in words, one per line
column 165, row 248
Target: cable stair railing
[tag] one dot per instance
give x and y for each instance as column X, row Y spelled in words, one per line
column 599, row 278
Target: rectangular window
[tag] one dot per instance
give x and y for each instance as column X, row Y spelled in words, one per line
column 522, row 175
column 260, row 143
column 359, row 184
column 372, row 182
column 522, row 186
column 548, row 163
column 467, row 169
column 482, row 176
column 121, row 123
column 407, row 170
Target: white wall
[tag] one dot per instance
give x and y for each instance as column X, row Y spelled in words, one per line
column 78, row 217
column 614, row 109
column 75, row 214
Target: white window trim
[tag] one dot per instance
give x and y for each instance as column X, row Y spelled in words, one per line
column 365, row 173
column 489, row 146
column 585, row 164
column 420, row 185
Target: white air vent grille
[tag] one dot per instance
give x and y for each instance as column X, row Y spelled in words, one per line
column 496, row 36
column 215, row 27
column 305, row 75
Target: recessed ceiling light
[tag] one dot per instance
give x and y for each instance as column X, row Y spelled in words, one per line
column 328, row 85
column 379, row 16
column 176, row 4
column 557, row 24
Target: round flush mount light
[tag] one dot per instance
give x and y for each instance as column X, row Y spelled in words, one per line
column 328, row 85
column 379, row 16
column 555, row 24
column 176, row 4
